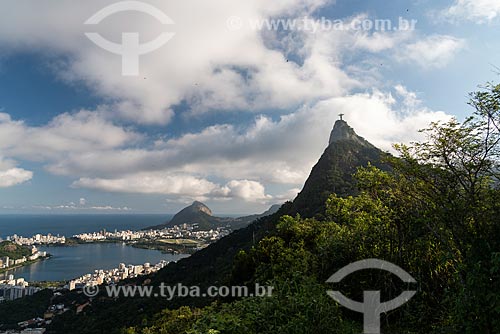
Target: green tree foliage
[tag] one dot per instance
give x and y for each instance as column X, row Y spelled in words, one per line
column 13, row 250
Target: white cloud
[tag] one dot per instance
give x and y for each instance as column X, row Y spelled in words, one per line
column 83, row 201
column 288, row 195
column 432, row 52
column 244, row 189
column 14, row 176
column 479, row 11
column 410, row 99
column 110, row 208
column 76, row 133
column 151, row 183
column 6, row 163
column 222, row 69
column 183, row 186
column 206, row 65
column 378, row 41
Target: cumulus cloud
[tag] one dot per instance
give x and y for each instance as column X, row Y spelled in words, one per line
column 150, row 183
column 223, row 69
column 246, row 70
column 67, row 133
column 383, row 120
column 244, row 189
column 410, row 99
column 288, row 195
column 377, row 41
column 248, row 158
column 184, row 186
column 479, row 11
column 10, row 175
column 14, row 176
column 432, row 52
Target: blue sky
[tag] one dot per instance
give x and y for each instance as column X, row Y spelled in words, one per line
column 232, row 116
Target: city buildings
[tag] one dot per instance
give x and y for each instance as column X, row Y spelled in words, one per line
column 38, row 239
column 12, row 288
column 115, row 275
column 185, row 231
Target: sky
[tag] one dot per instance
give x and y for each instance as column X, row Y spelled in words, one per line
column 230, row 102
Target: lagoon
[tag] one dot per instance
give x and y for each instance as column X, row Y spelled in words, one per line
column 67, row 263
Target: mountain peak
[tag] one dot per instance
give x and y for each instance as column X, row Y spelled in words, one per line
column 199, row 206
column 333, row 173
column 343, row 132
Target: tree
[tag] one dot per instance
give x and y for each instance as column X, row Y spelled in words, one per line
column 456, row 171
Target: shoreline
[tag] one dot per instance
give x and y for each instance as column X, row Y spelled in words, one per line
column 25, row 264
column 141, row 244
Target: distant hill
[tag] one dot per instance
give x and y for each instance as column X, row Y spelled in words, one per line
column 199, row 213
column 241, row 222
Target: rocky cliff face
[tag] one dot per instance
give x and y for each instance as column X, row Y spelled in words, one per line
column 343, row 132
column 333, row 173
column 200, row 207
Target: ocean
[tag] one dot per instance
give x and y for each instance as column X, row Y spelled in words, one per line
column 69, row 225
